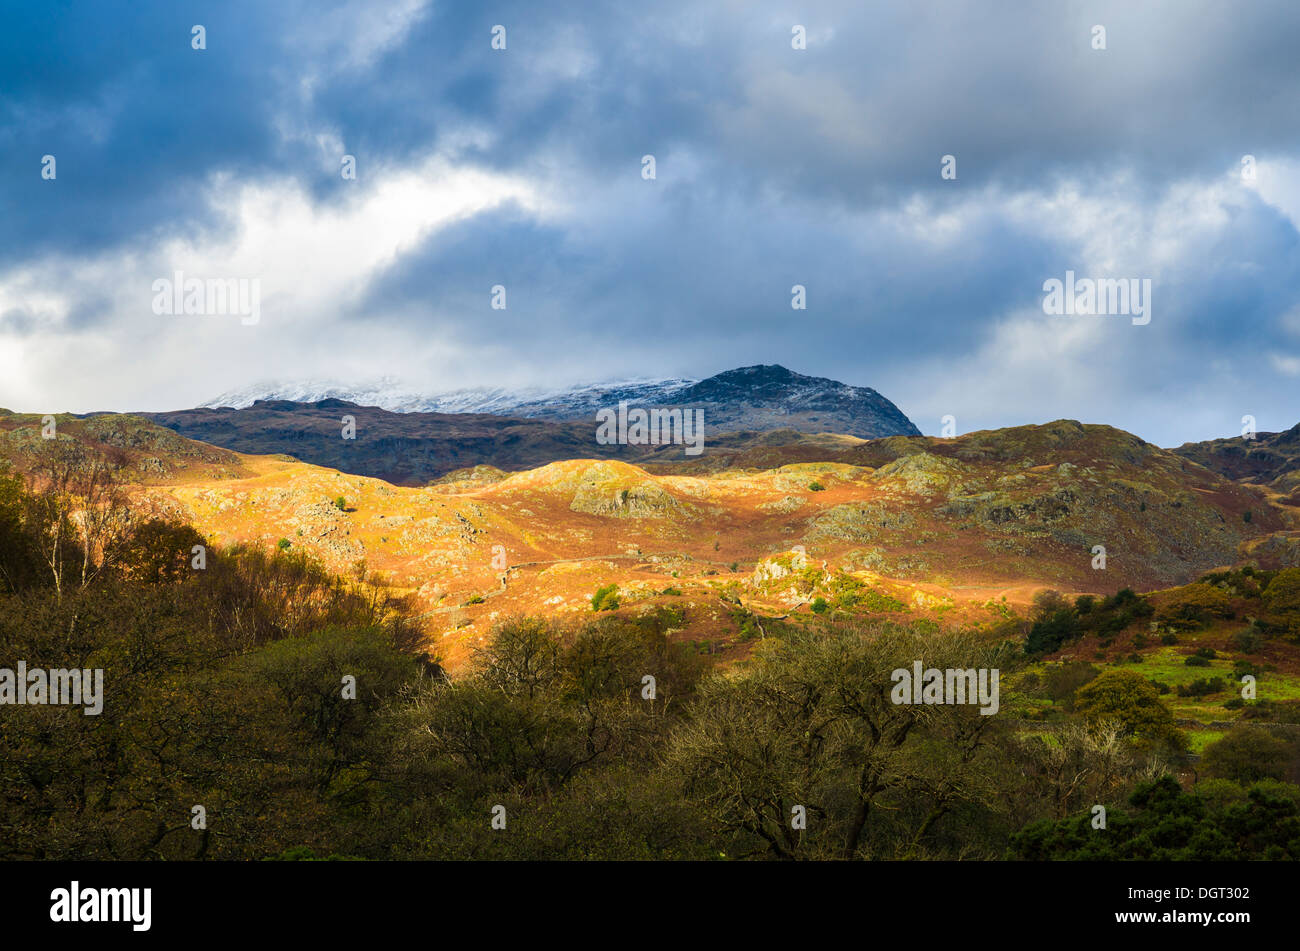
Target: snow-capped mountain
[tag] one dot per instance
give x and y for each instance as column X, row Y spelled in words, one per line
column 392, row 394
column 747, row 398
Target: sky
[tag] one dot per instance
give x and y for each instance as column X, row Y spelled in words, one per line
column 793, row 144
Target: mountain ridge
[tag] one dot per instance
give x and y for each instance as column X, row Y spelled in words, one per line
column 760, row 398
column 1271, row 459
column 416, row 448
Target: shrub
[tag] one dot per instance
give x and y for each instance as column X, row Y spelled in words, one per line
column 1126, row 697
column 1167, row 824
column 1247, row 754
column 159, row 551
column 1063, row 681
column 1274, row 711
column 1054, row 623
column 1201, row 687
column 1121, row 598
column 605, row 598
column 1282, row 596
column 877, row 601
column 1248, row 640
column 1194, row 605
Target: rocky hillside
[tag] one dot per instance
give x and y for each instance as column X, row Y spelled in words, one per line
column 136, row 450
column 1269, row 459
column 1052, row 492
column 960, row 529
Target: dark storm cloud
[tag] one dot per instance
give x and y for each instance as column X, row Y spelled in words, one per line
column 138, row 119
column 696, row 266
column 134, row 117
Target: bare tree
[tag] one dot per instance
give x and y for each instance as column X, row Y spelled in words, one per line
column 104, row 519
column 80, row 511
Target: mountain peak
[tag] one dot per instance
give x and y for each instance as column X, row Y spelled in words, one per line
column 761, row 397
column 772, row 396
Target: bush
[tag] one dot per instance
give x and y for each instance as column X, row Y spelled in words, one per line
column 1054, row 623
column 1128, row 698
column 605, row 598
column 1194, row 605
column 1282, row 597
column 1274, row 711
column 1247, row 754
column 1120, row 598
column 159, row 552
column 1062, row 681
column 1248, row 640
column 1201, row 687
column 1167, row 824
